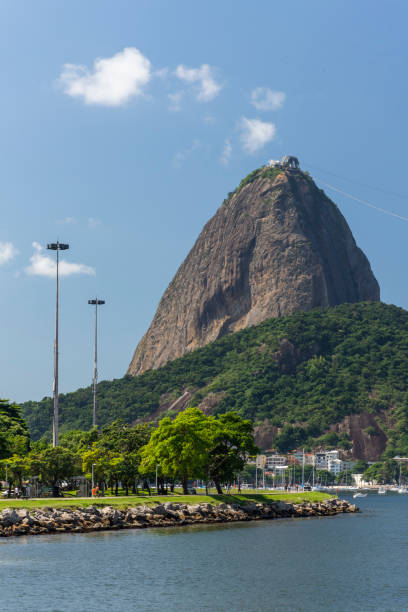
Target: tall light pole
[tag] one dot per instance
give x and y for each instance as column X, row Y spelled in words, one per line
column 56, row 246
column 95, row 303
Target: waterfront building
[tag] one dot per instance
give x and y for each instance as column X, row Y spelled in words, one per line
column 325, row 459
column 260, row 461
column 273, row 461
column 297, row 458
column 333, row 454
column 321, row 461
column 335, row 466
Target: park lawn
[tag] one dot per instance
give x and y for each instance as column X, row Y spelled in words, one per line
column 135, row 500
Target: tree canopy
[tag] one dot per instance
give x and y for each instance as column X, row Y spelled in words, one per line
column 194, row 445
column 13, row 430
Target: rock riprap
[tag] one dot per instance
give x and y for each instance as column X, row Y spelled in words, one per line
column 276, row 246
column 17, row 522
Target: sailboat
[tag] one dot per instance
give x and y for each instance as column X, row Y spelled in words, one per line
column 359, row 494
column 401, row 489
column 315, row 487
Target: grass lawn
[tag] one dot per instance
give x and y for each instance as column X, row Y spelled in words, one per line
column 135, row 500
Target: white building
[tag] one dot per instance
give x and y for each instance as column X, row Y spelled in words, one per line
column 274, row 461
column 298, row 457
column 323, row 460
column 320, row 461
column 333, row 454
column 274, row 163
column 260, row 461
column 335, row 466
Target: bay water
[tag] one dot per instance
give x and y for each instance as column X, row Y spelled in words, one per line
column 338, row 564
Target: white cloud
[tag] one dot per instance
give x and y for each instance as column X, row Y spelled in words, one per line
column 68, row 221
column 44, row 265
column 265, row 99
column 7, row 252
column 182, row 156
column 207, row 88
column 256, row 133
column 226, row 152
column 175, row 101
column 113, row 81
column 93, row 223
column 161, row 73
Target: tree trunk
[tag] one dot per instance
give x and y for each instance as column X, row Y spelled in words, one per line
column 116, row 487
column 55, row 490
column 184, row 483
column 218, row 487
column 160, row 486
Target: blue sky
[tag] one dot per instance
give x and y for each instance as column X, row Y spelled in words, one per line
column 124, row 125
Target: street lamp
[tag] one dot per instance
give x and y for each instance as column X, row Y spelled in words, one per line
column 95, row 303
column 93, row 479
column 56, row 246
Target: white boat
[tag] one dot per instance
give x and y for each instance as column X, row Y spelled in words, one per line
column 360, row 495
column 402, row 490
column 382, row 491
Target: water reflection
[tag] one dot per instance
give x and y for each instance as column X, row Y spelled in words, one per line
column 311, row 565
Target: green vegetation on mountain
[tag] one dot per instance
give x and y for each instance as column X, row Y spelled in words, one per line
column 263, row 172
column 304, row 373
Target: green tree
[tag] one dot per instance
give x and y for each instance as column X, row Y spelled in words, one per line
column 125, row 441
column 179, row 446
column 102, row 460
column 359, row 467
column 54, row 465
column 230, row 442
column 383, row 472
column 14, row 437
column 77, row 440
column 17, row 468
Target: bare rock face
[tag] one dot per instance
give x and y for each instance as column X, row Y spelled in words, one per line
column 276, row 246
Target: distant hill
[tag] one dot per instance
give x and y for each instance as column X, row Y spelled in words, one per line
column 277, row 245
column 335, row 376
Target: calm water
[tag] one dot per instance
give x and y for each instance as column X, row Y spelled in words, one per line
column 340, row 564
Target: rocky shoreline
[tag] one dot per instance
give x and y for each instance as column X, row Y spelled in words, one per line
column 18, row 522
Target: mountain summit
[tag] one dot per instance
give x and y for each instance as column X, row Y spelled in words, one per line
column 277, row 245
